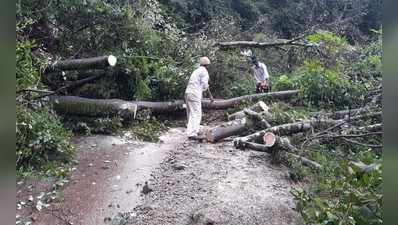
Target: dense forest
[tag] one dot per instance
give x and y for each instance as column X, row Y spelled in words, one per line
column 329, row 51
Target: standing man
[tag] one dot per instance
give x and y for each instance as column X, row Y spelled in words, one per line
column 198, row 83
column 261, row 75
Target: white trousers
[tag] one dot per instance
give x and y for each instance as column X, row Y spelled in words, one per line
column 194, row 114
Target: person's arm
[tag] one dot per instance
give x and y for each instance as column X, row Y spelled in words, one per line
column 210, row 95
column 266, row 74
column 204, row 79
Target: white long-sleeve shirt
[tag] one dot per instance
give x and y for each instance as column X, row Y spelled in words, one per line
column 260, row 72
column 198, row 82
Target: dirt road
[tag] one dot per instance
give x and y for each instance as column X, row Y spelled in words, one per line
column 119, row 181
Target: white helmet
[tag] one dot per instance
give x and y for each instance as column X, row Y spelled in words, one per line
column 203, row 61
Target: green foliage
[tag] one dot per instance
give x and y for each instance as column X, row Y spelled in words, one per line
column 26, row 75
column 344, row 193
column 283, row 83
column 148, row 128
column 332, row 41
column 27, row 66
column 332, row 47
column 325, row 87
column 41, row 139
column 88, row 126
column 228, row 79
column 283, row 113
column 368, row 68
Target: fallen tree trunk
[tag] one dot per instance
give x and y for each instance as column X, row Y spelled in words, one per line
column 306, row 125
column 258, row 107
column 273, row 145
column 73, row 105
column 288, row 129
column 79, row 106
column 94, row 108
column 232, row 128
column 100, row 62
column 233, row 102
column 270, row 140
column 252, row 120
column 254, row 44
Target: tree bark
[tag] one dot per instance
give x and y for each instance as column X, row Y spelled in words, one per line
column 73, row 105
column 100, row 62
column 77, row 106
column 232, row 128
column 252, row 120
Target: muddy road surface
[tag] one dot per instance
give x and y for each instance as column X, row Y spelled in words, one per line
column 120, row 181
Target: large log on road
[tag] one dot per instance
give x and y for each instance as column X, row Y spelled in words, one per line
column 234, row 102
column 232, row 128
column 252, row 120
column 100, row 62
column 77, row 105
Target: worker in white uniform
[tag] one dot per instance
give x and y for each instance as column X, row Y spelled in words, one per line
column 261, row 75
column 198, row 83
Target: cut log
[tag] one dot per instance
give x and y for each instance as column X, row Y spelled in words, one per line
column 77, row 106
column 100, row 62
column 252, row 120
column 234, row 102
column 273, row 143
column 65, row 102
column 258, row 121
column 269, row 140
column 226, row 130
column 258, row 107
column 288, row 129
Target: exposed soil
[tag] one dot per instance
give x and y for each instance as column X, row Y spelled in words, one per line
column 120, row 181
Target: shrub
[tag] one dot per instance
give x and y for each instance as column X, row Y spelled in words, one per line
column 283, row 83
column 41, row 139
column 325, row 87
column 344, row 193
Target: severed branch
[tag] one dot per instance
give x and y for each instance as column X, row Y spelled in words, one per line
column 254, row 44
column 362, row 144
column 72, row 85
column 100, row 62
column 273, row 145
column 34, row 90
column 350, row 135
